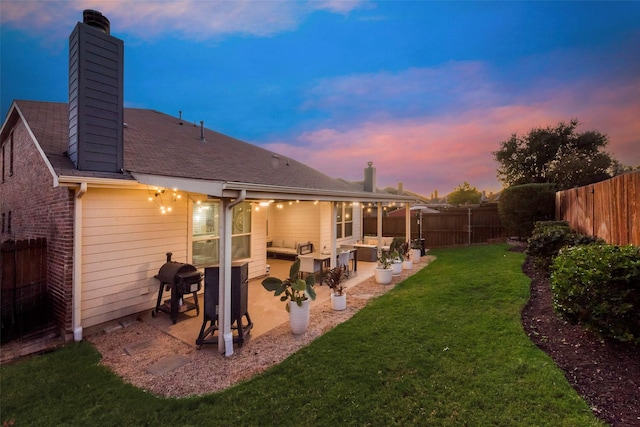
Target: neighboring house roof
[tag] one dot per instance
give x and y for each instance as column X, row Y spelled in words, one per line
column 418, row 197
column 156, row 144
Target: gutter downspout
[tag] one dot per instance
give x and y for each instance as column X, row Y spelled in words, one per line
column 77, row 264
column 226, row 344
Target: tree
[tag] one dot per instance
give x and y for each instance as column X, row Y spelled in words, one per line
column 557, row 155
column 522, row 205
column 464, row 194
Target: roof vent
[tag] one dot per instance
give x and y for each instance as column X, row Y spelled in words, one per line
column 95, row 19
column 202, row 138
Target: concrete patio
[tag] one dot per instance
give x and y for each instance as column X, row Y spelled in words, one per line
column 265, row 310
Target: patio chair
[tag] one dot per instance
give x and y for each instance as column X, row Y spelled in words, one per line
column 343, row 260
column 309, row 265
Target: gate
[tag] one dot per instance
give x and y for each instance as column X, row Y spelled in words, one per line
column 24, row 307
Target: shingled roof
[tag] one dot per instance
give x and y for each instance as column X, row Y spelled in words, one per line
column 158, row 144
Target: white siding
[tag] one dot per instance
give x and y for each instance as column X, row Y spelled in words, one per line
column 309, row 221
column 124, row 241
column 326, row 214
column 258, row 264
column 125, row 238
column 297, row 221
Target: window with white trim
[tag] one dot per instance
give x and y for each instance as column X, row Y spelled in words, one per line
column 206, row 232
column 344, row 219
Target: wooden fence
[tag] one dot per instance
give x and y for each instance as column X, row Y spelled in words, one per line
column 24, row 306
column 609, row 209
column 460, row 226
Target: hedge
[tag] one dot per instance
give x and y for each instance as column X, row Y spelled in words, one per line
column 599, row 286
column 548, row 237
column 521, row 206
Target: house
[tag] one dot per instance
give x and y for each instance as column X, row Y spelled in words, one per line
column 113, row 189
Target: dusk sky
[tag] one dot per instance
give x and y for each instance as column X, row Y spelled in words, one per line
column 424, row 90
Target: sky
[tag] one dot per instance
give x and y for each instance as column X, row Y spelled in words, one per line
column 425, row 90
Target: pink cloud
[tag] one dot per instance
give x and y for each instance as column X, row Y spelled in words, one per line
column 440, row 152
column 190, row 19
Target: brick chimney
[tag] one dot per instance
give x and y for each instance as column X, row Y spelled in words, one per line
column 96, row 92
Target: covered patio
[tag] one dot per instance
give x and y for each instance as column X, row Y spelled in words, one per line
column 266, row 311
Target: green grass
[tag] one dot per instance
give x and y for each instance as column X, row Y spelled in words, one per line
column 445, row 348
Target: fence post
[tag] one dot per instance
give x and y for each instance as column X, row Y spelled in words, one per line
column 469, row 224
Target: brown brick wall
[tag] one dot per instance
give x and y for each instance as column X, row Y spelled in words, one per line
column 40, row 210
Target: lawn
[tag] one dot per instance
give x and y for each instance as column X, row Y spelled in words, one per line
column 444, row 348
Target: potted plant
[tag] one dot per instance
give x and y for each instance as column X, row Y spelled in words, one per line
column 407, row 263
column 395, row 248
column 396, row 264
column 416, row 250
column 297, row 293
column 335, row 279
column 383, row 271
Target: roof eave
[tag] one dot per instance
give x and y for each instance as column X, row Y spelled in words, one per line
column 69, row 181
column 14, row 113
column 231, row 189
column 312, row 194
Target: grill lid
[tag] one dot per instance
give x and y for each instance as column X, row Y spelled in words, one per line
column 172, row 272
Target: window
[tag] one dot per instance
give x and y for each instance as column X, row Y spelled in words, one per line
column 344, row 220
column 206, row 232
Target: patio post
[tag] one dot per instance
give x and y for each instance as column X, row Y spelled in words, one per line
column 379, row 230
column 224, row 278
column 334, row 225
column 407, row 222
column 224, row 297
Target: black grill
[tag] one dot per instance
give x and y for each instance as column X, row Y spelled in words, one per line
column 180, row 279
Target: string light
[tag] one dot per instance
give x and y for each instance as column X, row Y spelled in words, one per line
column 164, row 203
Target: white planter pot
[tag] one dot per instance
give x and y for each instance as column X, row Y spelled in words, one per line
column 383, row 275
column 415, row 256
column 396, row 267
column 339, row 302
column 299, row 317
column 407, row 265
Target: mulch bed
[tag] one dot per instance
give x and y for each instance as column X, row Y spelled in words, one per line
column 605, row 373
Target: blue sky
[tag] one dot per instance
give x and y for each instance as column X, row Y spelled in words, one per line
column 424, row 90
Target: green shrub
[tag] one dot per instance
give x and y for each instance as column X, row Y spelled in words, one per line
column 599, row 287
column 548, row 237
column 522, row 205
